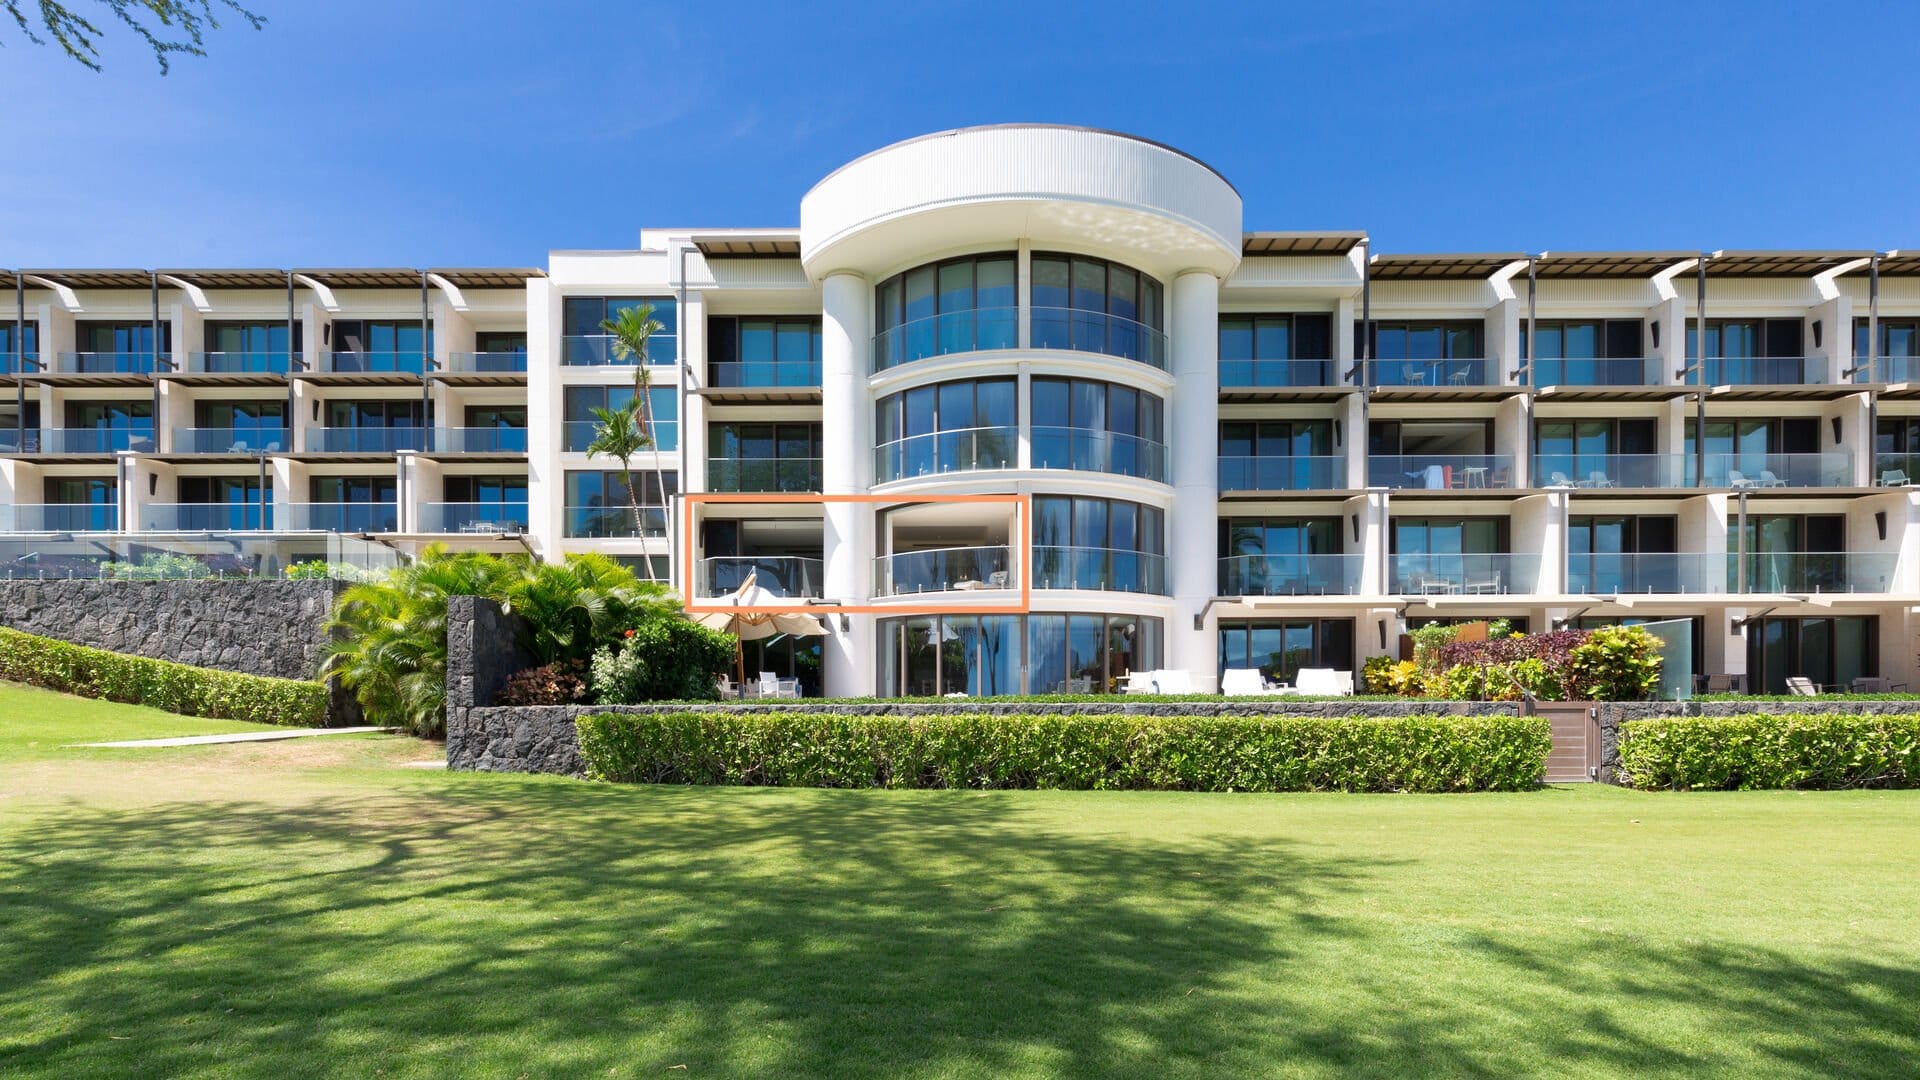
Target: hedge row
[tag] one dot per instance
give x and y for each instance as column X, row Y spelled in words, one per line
column 1787, row 750
column 1413, row 754
column 179, row 688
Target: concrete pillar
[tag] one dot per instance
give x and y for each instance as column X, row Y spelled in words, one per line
column 1193, row 435
column 846, row 468
column 546, row 485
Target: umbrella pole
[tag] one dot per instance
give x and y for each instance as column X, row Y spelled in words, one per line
column 740, row 663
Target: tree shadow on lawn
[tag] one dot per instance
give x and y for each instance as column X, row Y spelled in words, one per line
column 562, row 928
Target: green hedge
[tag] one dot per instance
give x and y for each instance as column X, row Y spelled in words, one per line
column 1416, row 754
column 137, row 680
column 1787, row 750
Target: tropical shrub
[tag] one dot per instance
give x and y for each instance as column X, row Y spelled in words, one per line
column 322, row 570
column 663, row 658
column 974, row 750
column 1771, row 751
column 562, row 683
column 157, row 566
column 1615, row 663
column 161, row 684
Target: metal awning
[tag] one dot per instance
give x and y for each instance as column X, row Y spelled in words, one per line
column 1778, row 263
column 1607, row 264
column 1893, row 264
column 771, row 245
column 1439, row 267
column 1301, row 243
column 230, row 279
column 93, row 279
column 488, row 277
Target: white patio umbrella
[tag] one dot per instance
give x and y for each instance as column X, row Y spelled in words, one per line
column 752, row 625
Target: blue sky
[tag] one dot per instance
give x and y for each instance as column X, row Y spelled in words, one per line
column 436, row 132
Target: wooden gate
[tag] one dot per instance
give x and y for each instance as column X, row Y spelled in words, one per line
column 1575, row 757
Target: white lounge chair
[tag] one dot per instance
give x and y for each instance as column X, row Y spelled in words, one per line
column 1768, row 480
column 1559, row 479
column 1137, row 682
column 1737, row 479
column 1323, row 682
column 1598, row 479
column 1895, row 478
column 1248, row 682
column 1172, row 681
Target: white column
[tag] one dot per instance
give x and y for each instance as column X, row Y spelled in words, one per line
column 546, row 487
column 846, row 468
column 1193, row 435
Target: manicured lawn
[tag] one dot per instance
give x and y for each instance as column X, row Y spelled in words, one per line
column 311, row 909
column 36, row 723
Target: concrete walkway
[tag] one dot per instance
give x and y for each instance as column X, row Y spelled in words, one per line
column 244, row 736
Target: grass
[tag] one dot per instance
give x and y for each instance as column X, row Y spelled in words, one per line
column 310, row 909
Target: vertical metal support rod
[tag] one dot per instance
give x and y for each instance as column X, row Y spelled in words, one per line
column 1700, row 378
column 674, row 507
column 153, row 284
column 20, row 361
column 426, row 360
column 293, row 364
column 1364, row 347
column 1533, row 378
column 1873, row 322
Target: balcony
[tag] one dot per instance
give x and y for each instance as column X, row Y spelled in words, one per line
column 944, row 570
column 367, row 517
column 375, row 363
column 1106, row 569
column 1093, row 450
column 614, row 522
column 793, row 577
column 1763, row 370
column 1248, row 374
column 1625, row 573
column 229, row 440
column 1599, row 471
column 1463, row 574
column 58, row 517
column 206, row 517
column 764, row 374
column 598, row 350
column 1597, row 371
column 473, row 517
column 763, row 474
column 1889, row 470
column 577, row 435
column 1302, row 473
column 109, row 363
column 239, row 363
column 972, row 330
column 487, row 363
column 939, row 452
column 93, row 441
column 1765, row 472
column 1892, row 369
column 479, row 440
column 1440, row 472
column 1290, row 575
column 1812, row 572
column 1098, row 332
column 14, row 365
column 365, row 440
column 1454, row 374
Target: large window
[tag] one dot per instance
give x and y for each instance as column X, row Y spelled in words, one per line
column 1765, row 452
column 1092, row 305
column 96, row 427
column 763, row 457
column 1098, row 427
column 1898, row 354
column 1602, row 454
column 1765, row 351
column 1793, row 553
column 599, row 503
column 1831, row 652
column 1279, row 455
column 218, row 504
column 380, row 345
column 987, row 655
column 380, row 426
column 120, row 346
column 1088, row 543
column 1633, row 554
column 248, row 346
column 1595, row 352
column 578, row 403
column 86, row 503
column 1453, row 555
column 946, row 427
column 1434, row 454
column 583, row 342
column 1281, row 649
column 1896, row 450
column 1284, row 557
column 960, row 305
column 1441, row 352
column 26, row 344
column 1276, row 350
column 763, row 350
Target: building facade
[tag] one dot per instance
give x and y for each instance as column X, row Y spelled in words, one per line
column 1185, row 445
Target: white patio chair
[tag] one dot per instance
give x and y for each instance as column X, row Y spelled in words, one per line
column 1598, row 479
column 1895, row 478
column 1323, row 682
column 1172, row 681
column 1248, row 682
column 1768, row 480
column 1737, row 479
column 1137, row 682
column 773, row 686
column 1560, row 479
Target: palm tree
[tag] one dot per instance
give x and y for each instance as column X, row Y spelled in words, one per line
column 616, row 435
column 630, row 330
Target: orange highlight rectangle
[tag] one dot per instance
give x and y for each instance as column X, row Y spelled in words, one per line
column 1023, row 503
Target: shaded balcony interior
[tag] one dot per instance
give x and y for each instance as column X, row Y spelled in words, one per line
column 1435, row 455
column 1590, row 353
column 1766, row 452
column 782, row 555
column 658, row 417
column 1286, row 556
column 117, row 347
column 1281, row 455
column 946, row 547
column 1277, row 350
column 764, row 457
column 473, row 504
column 1753, row 352
column 1897, row 360
column 1429, row 353
column 248, row 347
column 585, row 343
column 376, row 347
column 1468, row 556
column 763, row 352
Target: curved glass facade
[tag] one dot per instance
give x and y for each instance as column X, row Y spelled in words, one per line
column 1092, row 305
column 1091, row 543
column 946, row 427
column 1098, row 426
column 985, row 655
column 955, row 306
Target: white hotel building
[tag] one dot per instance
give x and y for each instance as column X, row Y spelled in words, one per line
column 1235, row 448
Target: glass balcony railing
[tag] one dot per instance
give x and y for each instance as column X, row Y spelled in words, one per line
column 365, row 440
column 1811, row 572
column 479, row 440
column 577, row 435
column 1610, row 470
column 1763, row 370
column 367, row 517
column 798, row 374
column 13, row 365
column 1099, row 332
column 1442, row 373
column 972, row 330
column 110, row 363
column 1622, row 573
column 1760, row 471
column 206, row 517
column 763, row 474
column 1302, row 473
column 473, row 517
column 1290, row 575
column 1106, row 569
column 1597, row 371
column 946, row 451
column 1092, row 450
column 365, row 363
column 1282, row 373
column 1462, row 573
column 1891, row 369
column 58, row 517
column 1889, row 470
column 944, row 570
column 786, row 576
column 94, row 440
column 598, row 350
column 1439, row 472
column 488, row 363
column 14, row 440
column 239, row 363
column 254, row 440
column 614, row 522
